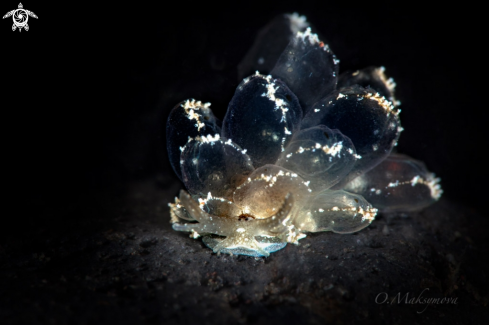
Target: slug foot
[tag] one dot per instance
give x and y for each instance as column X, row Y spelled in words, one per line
column 251, row 246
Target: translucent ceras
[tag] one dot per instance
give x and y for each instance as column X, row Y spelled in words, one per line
column 302, row 149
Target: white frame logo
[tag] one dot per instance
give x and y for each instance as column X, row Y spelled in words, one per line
column 20, row 16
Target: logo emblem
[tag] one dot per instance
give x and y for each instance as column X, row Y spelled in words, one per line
column 20, row 17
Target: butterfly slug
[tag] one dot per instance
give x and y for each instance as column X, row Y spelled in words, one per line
column 301, row 149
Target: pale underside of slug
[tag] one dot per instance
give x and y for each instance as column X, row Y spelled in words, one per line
column 302, row 149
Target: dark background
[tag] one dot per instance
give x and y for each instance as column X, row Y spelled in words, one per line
column 86, row 91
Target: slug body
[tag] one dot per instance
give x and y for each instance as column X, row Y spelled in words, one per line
column 302, row 149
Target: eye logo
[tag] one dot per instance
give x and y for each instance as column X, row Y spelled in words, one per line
column 20, row 17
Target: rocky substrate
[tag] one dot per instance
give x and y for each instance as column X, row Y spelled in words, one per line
column 113, row 258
